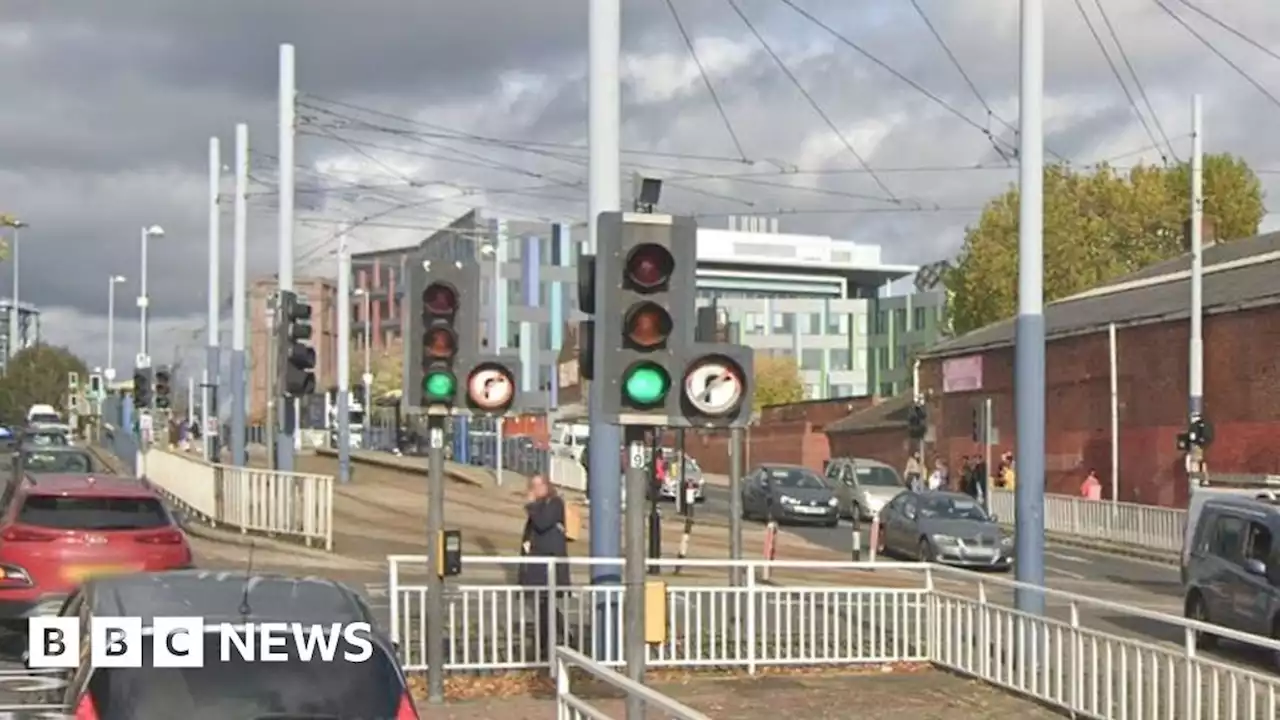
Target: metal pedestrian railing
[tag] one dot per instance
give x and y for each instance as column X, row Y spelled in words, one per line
column 1148, row 526
column 1076, row 656
column 572, row 707
column 288, row 504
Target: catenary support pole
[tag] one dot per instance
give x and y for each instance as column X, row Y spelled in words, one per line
column 435, row 583
column 1029, row 383
column 213, row 360
column 288, row 97
column 344, row 360
column 735, row 503
column 1196, row 381
column 239, row 387
column 604, row 194
column 634, row 522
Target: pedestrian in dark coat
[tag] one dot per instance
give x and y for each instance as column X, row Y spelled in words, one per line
column 544, row 537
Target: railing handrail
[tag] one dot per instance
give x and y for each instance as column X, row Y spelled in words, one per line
column 929, row 570
column 1121, row 504
column 651, row 697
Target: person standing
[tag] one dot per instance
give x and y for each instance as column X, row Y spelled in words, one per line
column 544, row 537
column 938, row 479
column 1091, row 488
column 914, row 472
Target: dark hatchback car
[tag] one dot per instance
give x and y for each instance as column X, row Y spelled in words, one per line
column 335, row 689
column 789, row 493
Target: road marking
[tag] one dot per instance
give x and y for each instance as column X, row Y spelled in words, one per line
column 377, row 590
column 1066, row 573
column 1068, row 558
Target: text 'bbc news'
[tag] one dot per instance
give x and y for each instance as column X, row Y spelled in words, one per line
column 183, row 642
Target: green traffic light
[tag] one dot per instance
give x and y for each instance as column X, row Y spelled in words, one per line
column 646, row 385
column 439, row 386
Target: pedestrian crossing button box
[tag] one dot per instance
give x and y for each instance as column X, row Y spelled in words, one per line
column 449, row 557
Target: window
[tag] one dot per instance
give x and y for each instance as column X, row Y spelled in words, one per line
column 838, row 324
column 900, row 320
column 840, row 359
column 93, row 513
column 918, row 319
column 811, row 323
column 900, row 356
column 1258, row 546
column 1228, row 538
column 861, row 325
column 882, row 322
column 811, row 359
column 887, row 390
column 882, row 358
column 784, row 322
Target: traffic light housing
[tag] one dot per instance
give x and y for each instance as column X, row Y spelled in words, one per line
column 163, row 388
column 1199, row 434
column 917, row 421
column 716, row 388
column 587, row 327
column 297, row 357
column 647, row 317
column 444, row 332
column 142, row 388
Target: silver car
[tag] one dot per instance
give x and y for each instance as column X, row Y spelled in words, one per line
column 944, row 527
column 864, row 486
column 691, row 474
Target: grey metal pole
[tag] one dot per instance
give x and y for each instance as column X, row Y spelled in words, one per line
column 435, row 583
column 1196, row 381
column 735, row 503
column 1029, row 383
column 213, row 362
column 111, row 327
column 191, row 398
column 288, row 96
column 273, row 402
column 239, row 389
column 366, row 378
column 604, row 194
column 15, row 314
column 634, row 524
column 988, row 425
column 143, row 300
column 344, row 360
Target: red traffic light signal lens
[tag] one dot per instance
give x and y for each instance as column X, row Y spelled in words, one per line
column 649, row 266
column 440, row 299
column 440, row 342
column 647, row 325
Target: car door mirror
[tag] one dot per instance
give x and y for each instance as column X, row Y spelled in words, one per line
column 995, row 518
column 1253, row 566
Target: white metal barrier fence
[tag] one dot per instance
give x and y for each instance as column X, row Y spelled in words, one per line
column 857, row 613
column 291, row 504
column 1149, row 526
column 572, row 707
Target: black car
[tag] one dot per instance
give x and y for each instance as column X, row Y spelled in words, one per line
column 295, row 688
column 789, row 493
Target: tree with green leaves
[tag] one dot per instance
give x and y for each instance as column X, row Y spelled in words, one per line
column 777, row 381
column 37, row 375
column 386, row 366
column 1099, row 225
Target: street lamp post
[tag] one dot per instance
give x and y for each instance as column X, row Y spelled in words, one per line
column 367, row 377
column 110, row 371
column 15, row 314
column 143, row 300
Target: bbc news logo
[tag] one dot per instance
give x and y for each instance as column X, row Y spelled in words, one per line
column 180, row 642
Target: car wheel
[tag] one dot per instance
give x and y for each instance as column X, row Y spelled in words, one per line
column 1198, row 610
column 925, row 552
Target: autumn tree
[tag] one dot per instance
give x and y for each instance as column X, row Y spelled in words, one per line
column 777, row 381
column 1099, row 225
column 385, row 365
column 37, row 374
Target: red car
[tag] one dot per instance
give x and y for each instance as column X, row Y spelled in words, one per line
column 57, row 530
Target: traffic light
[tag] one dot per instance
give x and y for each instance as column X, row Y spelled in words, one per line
column 142, row 387
column 164, row 388
column 917, row 421
column 648, row 314
column 444, row 331
column 297, row 358
column 716, row 388
column 587, row 304
column 1199, row 432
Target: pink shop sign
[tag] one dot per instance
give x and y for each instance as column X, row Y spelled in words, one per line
column 962, row 374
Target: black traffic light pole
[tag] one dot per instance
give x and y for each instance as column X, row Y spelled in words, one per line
column 655, row 489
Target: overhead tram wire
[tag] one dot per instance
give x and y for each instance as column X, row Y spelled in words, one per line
column 706, row 79
column 1137, row 82
column 932, row 96
column 955, row 62
column 1221, row 56
column 1230, row 28
column 1115, row 72
column 782, row 65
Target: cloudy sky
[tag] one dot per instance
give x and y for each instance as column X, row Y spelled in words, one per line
column 413, row 111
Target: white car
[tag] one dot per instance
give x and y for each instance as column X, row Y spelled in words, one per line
column 671, row 488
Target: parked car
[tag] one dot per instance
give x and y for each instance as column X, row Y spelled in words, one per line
column 789, row 493
column 1230, row 570
column 57, row 459
column 58, row 530
column 944, row 527
column 692, row 477
column 294, row 688
column 864, row 486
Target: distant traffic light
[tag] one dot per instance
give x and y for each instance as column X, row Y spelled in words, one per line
column 142, row 388
column 297, row 358
column 648, row 321
column 917, row 421
column 163, row 388
column 1199, row 434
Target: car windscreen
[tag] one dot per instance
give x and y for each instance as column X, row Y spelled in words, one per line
column 93, row 513
column 874, row 476
column 44, row 419
column 43, row 439
column 69, row 463
column 239, row 689
column 950, row 508
column 795, row 478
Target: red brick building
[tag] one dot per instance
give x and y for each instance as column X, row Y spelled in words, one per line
column 1150, row 311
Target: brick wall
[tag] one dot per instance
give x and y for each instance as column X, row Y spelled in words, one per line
column 1242, row 400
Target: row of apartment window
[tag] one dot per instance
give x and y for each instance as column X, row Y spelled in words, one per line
column 919, row 320
column 753, row 323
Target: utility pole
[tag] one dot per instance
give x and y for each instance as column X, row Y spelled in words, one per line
column 735, row 502
column 239, row 389
column 288, row 96
column 213, row 363
column 435, row 583
column 344, row 360
column 604, row 194
column 633, row 597
column 1195, row 384
column 1029, row 382
column 273, row 400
